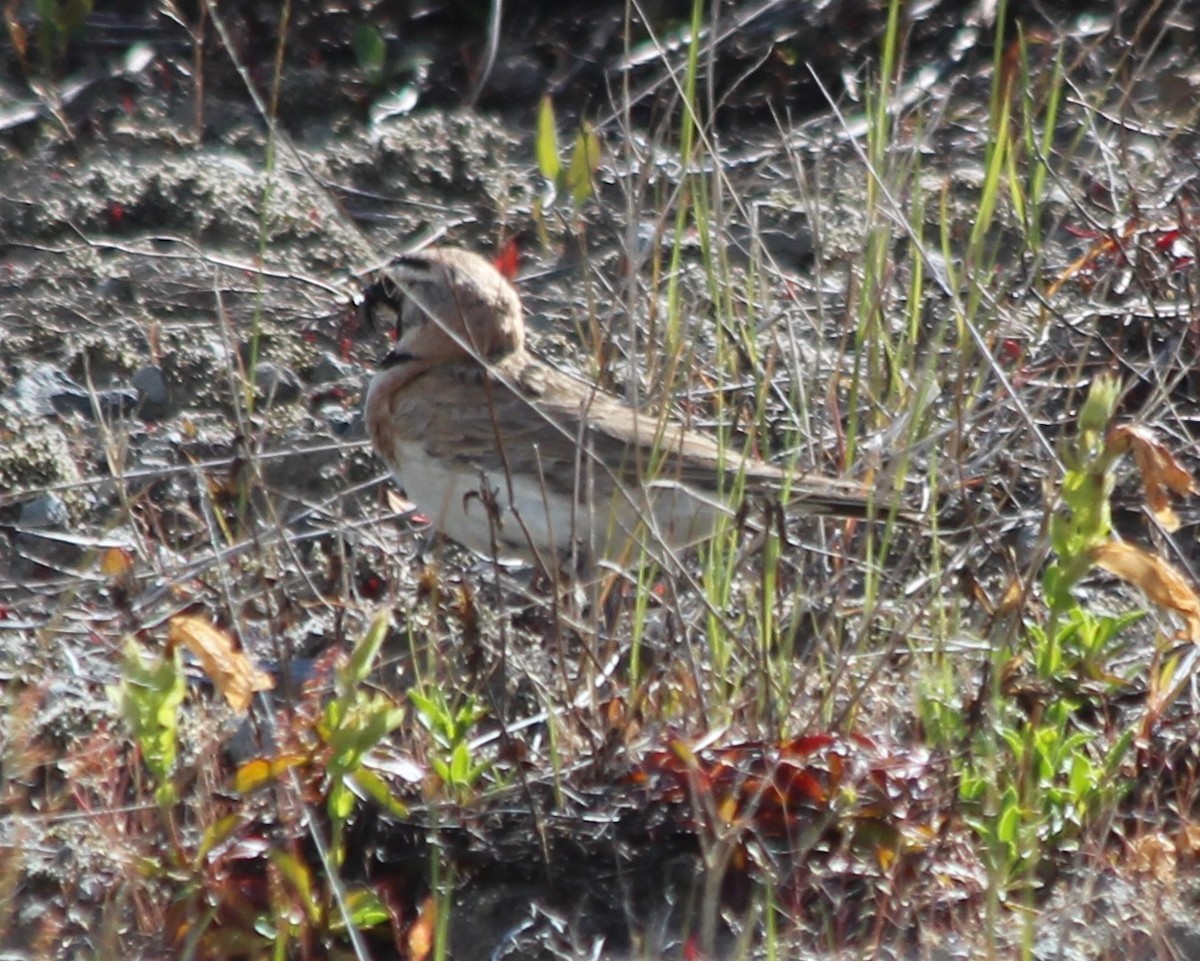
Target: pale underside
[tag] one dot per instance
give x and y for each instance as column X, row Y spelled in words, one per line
column 520, row 517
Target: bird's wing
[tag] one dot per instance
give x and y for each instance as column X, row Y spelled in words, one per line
column 643, row 446
column 535, row 421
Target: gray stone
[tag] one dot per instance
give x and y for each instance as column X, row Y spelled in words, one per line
column 276, row 384
column 46, row 511
column 154, row 398
column 45, row 390
column 40, row 547
column 342, row 422
column 330, row 369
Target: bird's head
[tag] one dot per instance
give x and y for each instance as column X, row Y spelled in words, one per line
column 450, row 305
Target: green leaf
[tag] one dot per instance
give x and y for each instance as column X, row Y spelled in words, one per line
column 376, row 720
column 341, row 800
column 369, row 50
column 1082, row 777
column 362, row 658
column 434, row 715
column 585, row 158
column 1008, row 826
column 972, row 787
column 366, row 910
column 1100, row 405
column 546, row 142
column 149, row 695
column 215, row 834
column 467, row 716
column 1015, row 739
column 1116, row 756
column 460, row 765
column 300, row 878
column 378, row 791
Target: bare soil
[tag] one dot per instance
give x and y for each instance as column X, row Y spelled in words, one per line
column 181, row 375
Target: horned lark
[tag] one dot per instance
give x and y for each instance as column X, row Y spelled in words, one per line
column 514, row 458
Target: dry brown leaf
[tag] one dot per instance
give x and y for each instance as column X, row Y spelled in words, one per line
column 228, row 668
column 1187, row 841
column 1154, row 855
column 1159, row 469
column 975, row 591
column 1012, row 601
column 1157, row 579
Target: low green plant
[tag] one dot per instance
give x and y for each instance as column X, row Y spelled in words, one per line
column 354, row 722
column 149, row 695
column 305, row 903
column 451, row 725
column 370, row 51
column 1035, row 778
column 58, row 23
column 566, row 176
column 1049, row 782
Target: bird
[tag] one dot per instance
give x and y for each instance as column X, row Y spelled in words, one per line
column 519, row 460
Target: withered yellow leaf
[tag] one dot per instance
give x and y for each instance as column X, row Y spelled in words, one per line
column 260, row 771
column 423, row 933
column 116, row 562
column 228, row 668
column 1160, row 470
column 1157, row 579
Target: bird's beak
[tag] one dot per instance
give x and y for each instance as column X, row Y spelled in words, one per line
column 382, row 291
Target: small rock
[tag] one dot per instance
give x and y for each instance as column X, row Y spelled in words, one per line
column 47, row 511
column 330, row 369
column 46, row 390
column 342, row 422
column 40, row 549
column 154, row 399
column 276, row 384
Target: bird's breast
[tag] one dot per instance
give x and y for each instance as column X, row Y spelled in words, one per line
column 490, row 512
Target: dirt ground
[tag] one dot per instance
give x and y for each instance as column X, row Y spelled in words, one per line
column 182, row 366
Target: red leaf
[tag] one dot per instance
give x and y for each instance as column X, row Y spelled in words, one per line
column 508, row 259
